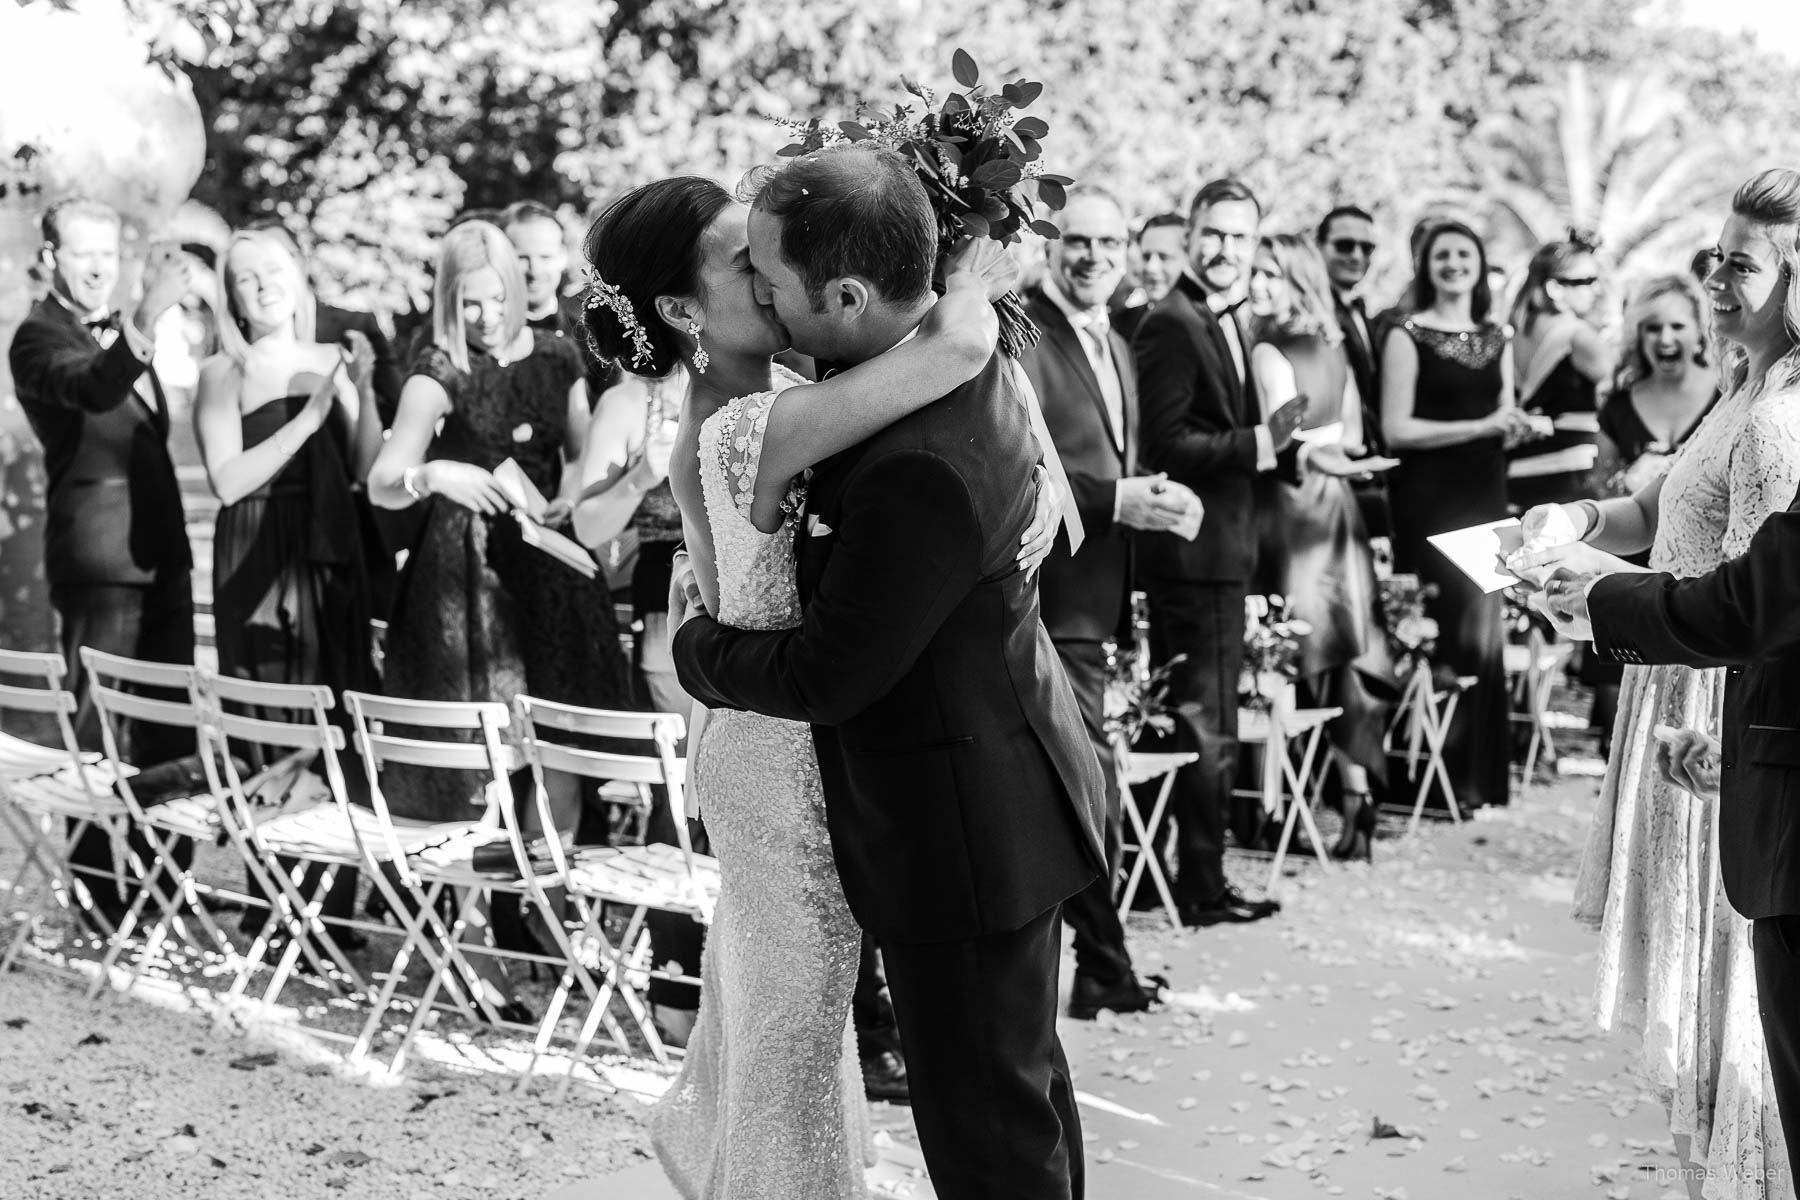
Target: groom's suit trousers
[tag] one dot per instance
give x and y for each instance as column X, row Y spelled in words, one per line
column 1777, row 943
column 990, row 1085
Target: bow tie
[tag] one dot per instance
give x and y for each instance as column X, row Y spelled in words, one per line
column 109, row 321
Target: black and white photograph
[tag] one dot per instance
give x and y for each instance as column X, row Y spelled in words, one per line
column 1035, row 600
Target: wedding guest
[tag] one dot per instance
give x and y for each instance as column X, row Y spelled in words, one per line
column 1674, row 970
column 1346, row 238
column 115, row 541
column 1663, row 388
column 1562, row 361
column 1315, row 549
column 479, row 614
column 1201, row 425
column 383, row 534
column 285, row 424
column 1448, row 414
column 334, row 325
column 1160, row 254
column 536, row 232
column 1083, row 375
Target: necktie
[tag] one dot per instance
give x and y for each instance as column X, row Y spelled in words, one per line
column 1095, row 329
column 1233, row 338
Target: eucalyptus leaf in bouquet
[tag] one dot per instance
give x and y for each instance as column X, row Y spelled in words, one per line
column 981, row 163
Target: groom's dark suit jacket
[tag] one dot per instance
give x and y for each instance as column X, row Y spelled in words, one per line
column 961, row 791
column 1745, row 616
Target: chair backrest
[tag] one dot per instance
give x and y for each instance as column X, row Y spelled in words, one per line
column 541, row 721
column 112, row 680
column 285, row 716
column 44, row 695
column 369, row 716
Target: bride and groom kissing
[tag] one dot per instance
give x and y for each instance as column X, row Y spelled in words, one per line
column 892, row 745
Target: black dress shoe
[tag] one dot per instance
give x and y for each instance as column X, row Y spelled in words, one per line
column 884, row 1078
column 1231, row 908
column 1131, row 995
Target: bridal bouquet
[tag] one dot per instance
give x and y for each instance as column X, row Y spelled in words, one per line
column 980, row 162
column 1271, row 649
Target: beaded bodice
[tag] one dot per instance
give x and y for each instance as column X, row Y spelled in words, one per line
column 756, row 569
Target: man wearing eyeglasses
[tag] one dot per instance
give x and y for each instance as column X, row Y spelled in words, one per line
column 1082, row 372
column 1203, row 425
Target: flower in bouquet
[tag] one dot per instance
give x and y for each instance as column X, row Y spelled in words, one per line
column 1411, row 633
column 979, row 159
column 1137, row 700
column 1272, row 637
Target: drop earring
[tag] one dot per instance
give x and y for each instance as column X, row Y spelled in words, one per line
column 701, row 358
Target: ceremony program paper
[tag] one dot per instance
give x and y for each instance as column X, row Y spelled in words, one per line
column 1478, row 550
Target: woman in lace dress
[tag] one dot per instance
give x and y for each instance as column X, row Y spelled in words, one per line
column 769, row 1099
column 1675, row 963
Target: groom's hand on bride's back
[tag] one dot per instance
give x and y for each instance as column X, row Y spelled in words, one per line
column 685, row 600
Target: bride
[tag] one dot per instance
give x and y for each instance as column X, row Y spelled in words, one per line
column 769, row 1099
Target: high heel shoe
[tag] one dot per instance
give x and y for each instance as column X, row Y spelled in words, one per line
column 1358, row 838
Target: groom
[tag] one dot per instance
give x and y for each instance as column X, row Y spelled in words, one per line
column 964, row 801
column 1745, row 616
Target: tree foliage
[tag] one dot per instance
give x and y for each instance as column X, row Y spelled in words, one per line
column 371, row 122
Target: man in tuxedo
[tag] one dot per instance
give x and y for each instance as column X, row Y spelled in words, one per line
column 1085, row 381
column 962, row 795
column 535, row 232
column 1346, row 239
column 1160, row 251
column 1202, row 425
column 1744, row 616
column 115, row 539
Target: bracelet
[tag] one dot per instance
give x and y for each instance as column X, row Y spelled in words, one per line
column 1596, row 519
column 409, row 482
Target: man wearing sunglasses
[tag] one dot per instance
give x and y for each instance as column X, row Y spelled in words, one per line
column 1346, row 239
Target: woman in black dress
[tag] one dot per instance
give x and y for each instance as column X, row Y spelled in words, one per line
column 1664, row 387
column 478, row 613
column 1562, row 363
column 1315, row 548
column 1448, row 411
column 284, row 425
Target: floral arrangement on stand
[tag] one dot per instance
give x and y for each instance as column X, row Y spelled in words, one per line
column 1412, row 635
column 1137, row 698
column 980, row 161
column 1271, row 651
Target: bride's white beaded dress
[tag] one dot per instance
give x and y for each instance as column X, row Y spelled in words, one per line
column 769, row 1102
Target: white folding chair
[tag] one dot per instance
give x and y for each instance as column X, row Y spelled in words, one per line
column 448, row 862
column 1532, row 669
column 1283, row 731
column 117, row 685
column 291, row 723
column 50, row 796
column 638, row 878
column 1140, row 768
column 1426, row 713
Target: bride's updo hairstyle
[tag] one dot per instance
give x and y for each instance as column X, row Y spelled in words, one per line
column 1772, row 199
column 647, row 244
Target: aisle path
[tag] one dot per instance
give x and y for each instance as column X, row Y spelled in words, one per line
column 1442, row 992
